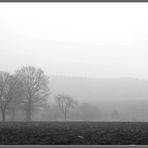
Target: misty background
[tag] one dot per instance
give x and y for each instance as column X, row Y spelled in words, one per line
column 95, row 52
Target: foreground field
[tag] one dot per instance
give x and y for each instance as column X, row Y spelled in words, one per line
column 74, row 133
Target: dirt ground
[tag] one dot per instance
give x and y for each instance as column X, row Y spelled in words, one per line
column 74, row 133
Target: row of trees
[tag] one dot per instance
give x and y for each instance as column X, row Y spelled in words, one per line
column 82, row 112
column 27, row 89
column 66, row 103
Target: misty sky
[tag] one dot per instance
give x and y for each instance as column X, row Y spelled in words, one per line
column 76, row 39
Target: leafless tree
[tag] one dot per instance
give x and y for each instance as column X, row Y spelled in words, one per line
column 65, row 104
column 9, row 88
column 16, row 103
column 36, row 88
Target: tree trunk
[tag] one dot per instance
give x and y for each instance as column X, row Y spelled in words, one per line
column 3, row 115
column 28, row 112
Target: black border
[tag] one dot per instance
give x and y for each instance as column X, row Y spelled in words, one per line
column 73, row 146
column 74, row 1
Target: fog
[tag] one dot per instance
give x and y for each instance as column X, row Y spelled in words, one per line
column 76, row 39
column 94, row 52
column 126, row 95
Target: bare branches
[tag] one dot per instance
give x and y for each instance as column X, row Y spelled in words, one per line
column 35, row 85
column 27, row 89
column 9, row 90
column 4, row 89
column 65, row 103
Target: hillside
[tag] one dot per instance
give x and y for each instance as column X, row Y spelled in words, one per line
column 129, row 96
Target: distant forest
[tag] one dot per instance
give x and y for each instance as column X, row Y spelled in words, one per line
column 30, row 95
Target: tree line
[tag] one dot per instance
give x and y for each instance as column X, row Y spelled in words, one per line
column 28, row 90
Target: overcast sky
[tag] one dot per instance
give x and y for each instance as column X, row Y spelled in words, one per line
column 76, row 39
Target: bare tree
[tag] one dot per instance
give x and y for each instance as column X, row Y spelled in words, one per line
column 9, row 87
column 36, row 88
column 65, row 104
column 16, row 103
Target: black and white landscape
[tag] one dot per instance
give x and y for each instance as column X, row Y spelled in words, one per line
column 73, row 74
